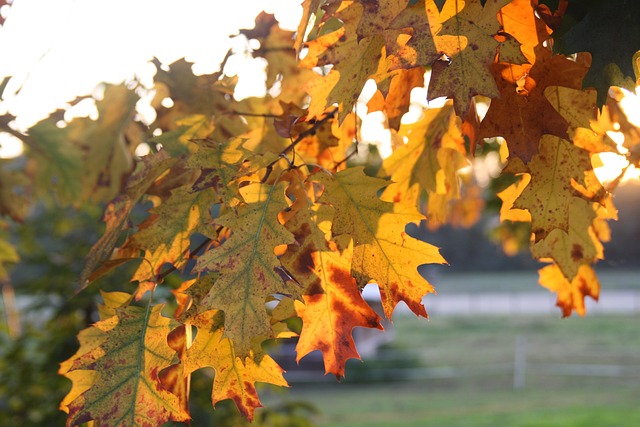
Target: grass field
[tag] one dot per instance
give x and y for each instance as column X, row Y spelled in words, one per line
column 579, row 372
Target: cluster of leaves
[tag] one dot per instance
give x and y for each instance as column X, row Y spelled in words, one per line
column 259, row 212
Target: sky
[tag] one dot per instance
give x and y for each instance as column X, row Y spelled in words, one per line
column 58, row 50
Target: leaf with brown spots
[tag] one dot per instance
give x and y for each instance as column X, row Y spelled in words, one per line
column 383, row 251
column 235, row 376
column 166, row 234
column 129, row 351
column 467, row 38
column 248, row 268
column 333, row 305
column 416, row 46
column 572, row 248
column 553, row 170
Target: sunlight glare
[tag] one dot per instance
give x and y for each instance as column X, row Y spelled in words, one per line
column 10, row 146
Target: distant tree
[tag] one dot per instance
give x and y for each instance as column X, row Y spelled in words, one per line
column 247, row 214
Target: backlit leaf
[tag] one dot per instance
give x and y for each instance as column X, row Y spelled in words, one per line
column 248, row 267
column 333, row 304
column 383, row 252
column 127, row 391
column 235, row 376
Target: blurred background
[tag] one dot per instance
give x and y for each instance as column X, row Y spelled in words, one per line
column 494, row 351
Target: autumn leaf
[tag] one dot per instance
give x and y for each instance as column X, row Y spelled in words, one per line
column 547, row 194
column 428, row 163
column 571, row 293
column 127, row 391
column 466, row 70
column 354, row 62
column 383, row 251
column 88, row 159
column 398, row 98
column 116, row 213
column 422, row 20
column 333, row 304
column 200, row 104
column 509, row 196
column 522, row 114
column 309, row 7
column 572, row 248
column 235, row 376
column 166, row 234
column 249, row 270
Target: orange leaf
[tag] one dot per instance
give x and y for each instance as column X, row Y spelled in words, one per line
column 333, row 304
column 571, row 294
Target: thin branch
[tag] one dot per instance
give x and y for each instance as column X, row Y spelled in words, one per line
column 353, row 153
column 311, row 131
column 192, row 254
column 240, row 113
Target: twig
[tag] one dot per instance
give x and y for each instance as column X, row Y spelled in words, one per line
column 311, row 131
column 160, row 277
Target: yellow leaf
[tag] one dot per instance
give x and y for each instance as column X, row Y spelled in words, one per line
column 571, row 294
column 575, row 247
column 383, row 251
column 509, row 195
column 470, row 51
column 553, row 170
column 429, row 162
column 354, row 62
column 235, row 377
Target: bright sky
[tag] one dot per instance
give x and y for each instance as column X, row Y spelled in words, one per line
column 60, row 49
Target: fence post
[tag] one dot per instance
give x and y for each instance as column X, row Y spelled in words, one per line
column 520, row 362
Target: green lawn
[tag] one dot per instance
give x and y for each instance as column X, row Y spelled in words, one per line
column 421, row 404
column 475, row 356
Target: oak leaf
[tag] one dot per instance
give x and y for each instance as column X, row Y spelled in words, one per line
column 248, row 267
column 235, row 376
column 354, row 62
column 383, row 251
column 529, row 114
column 557, row 165
column 470, row 52
column 428, row 163
column 127, row 390
column 571, row 293
column 574, row 247
column 333, row 304
column 421, row 19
